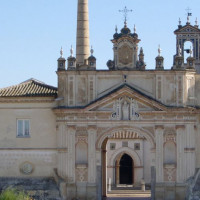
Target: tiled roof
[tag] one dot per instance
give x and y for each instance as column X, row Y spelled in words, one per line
column 29, row 88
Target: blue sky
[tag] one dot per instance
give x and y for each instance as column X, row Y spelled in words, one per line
column 33, row 31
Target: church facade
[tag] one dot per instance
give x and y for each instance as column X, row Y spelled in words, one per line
column 104, row 129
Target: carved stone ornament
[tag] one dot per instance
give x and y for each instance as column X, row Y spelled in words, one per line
column 26, row 168
column 170, row 137
column 170, row 172
column 125, row 109
column 81, row 173
column 125, row 55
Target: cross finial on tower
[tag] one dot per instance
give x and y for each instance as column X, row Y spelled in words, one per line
column 125, row 11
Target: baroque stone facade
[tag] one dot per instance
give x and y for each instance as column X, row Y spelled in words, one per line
column 119, row 127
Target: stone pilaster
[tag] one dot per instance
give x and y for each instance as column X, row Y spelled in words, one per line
column 71, row 130
column 62, row 150
column 92, row 154
column 91, row 186
column 190, row 150
column 180, row 132
column 159, row 153
column 197, row 146
column 82, row 40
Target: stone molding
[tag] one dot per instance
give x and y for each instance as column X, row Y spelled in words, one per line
column 180, row 127
column 159, row 127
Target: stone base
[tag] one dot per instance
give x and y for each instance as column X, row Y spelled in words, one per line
column 91, row 192
column 71, row 191
column 81, row 190
column 170, row 191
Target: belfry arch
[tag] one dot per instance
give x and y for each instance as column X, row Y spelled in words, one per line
column 121, row 133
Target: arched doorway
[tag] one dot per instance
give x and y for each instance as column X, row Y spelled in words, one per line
column 126, row 170
column 120, row 134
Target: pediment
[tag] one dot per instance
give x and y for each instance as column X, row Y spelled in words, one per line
column 123, row 98
column 187, row 29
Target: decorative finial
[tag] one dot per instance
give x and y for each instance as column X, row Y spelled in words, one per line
column 141, row 50
column 71, row 51
column 188, row 19
column 125, row 11
column 159, row 51
column 116, row 29
column 179, row 21
column 196, row 22
column 61, row 52
column 179, row 51
column 134, row 29
column 191, row 51
column 91, row 51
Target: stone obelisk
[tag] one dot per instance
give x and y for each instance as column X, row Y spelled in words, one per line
column 82, row 38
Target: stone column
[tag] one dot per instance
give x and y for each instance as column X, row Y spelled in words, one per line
column 180, row 133
column 159, row 153
column 91, row 186
column 82, row 39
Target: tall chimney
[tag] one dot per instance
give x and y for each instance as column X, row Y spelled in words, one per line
column 82, row 38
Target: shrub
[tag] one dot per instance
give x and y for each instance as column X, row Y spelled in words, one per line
column 13, row 194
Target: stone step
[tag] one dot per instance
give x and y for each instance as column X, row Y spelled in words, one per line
column 129, row 193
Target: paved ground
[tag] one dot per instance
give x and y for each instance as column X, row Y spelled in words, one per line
column 128, row 198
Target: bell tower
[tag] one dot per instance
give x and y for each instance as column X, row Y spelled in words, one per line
column 188, row 33
column 125, row 49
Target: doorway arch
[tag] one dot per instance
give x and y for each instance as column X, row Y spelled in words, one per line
column 126, row 132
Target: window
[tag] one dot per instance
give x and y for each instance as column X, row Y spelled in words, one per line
column 23, row 128
column 137, row 146
column 125, row 144
column 112, row 146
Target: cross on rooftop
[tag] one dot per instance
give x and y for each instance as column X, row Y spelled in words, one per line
column 125, row 11
column 189, row 13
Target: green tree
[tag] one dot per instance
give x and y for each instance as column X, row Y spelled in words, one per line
column 13, row 194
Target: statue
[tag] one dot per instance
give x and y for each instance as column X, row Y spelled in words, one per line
column 125, row 111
